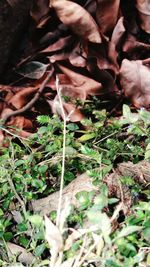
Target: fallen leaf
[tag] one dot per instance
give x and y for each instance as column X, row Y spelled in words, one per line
column 53, row 235
column 21, row 98
column 6, row 111
column 2, row 138
column 69, row 109
column 135, row 49
column 135, row 81
column 107, row 14
column 20, row 122
column 78, row 56
column 24, row 256
column 128, row 231
column 40, row 9
column 117, row 35
column 58, row 45
column 33, row 70
column 78, row 19
column 85, row 84
column 143, row 7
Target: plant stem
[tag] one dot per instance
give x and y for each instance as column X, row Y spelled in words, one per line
column 63, row 153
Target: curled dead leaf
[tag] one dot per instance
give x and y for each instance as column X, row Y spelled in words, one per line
column 24, row 256
column 85, row 84
column 78, row 19
column 117, row 35
column 2, row 137
column 6, row 111
column 40, row 9
column 21, row 97
column 70, row 110
column 135, row 81
column 53, row 235
column 20, row 122
column 107, row 14
column 135, row 49
column 143, row 7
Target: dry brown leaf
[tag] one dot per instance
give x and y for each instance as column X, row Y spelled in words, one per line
column 78, row 19
column 135, row 49
column 53, row 235
column 83, row 83
column 59, row 57
column 6, row 111
column 107, row 14
column 78, row 56
column 135, row 81
column 2, row 137
column 21, row 98
column 70, row 110
column 58, row 45
column 40, row 9
column 20, row 122
column 118, row 32
column 24, row 256
column 143, row 7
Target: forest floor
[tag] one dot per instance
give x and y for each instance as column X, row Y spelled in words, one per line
column 75, row 138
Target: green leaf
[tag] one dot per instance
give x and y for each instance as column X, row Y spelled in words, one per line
column 39, row 250
column 101, row 201
column 126, row 111
column 8, row 236
column 148, row 259
column 33, row 70
column 112, row 200
column 128, row 231
column 93, row 154
column 147, row 153
column 1, row 212
column 72, row 127
column 83, row 198
column 143, row 206
column 70, row 151
column 19, row 162
column 36, row 220
column 42, row 130
column 129, row 116
column 145, row 116
column 86, row 137
column 23, row 241
column 42, row 168
column 101, row 219
column 69, row 176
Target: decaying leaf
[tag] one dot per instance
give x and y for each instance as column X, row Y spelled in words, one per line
column 78, row 19
column 86, row 85
column 71, row 112
column 143, row 7
column 33, row 70
column 21, row 123
column 22, row 97
column 40, row 9
column 135, row 81
column 118, row 32
column 107, row 14
column 24, row 256
column 53, row 235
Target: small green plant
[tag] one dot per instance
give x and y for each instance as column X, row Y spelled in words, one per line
column 31, row 169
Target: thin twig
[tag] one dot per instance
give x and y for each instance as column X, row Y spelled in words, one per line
column 17, row 196
column 15, row 135
column 77, row 261
column 63, row 154
column 32, row 102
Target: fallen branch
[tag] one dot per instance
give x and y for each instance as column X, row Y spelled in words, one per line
column 32, row 102
column 140, row 172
